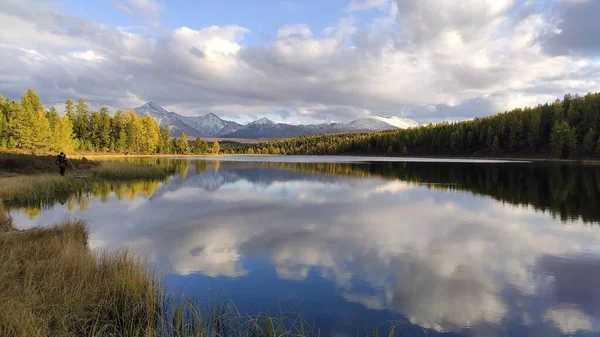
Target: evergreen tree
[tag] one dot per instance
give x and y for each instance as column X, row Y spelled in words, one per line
column 165, row 140
column 495, row 146
column 216, row 147
column 562, row 140
column 589, row 141
column 199, row 146
column 21, row 126
column 95, row 130
column 41, row 132
column 64, row 135
column 81, row 125
column 31, row 102
column 105, row 129
column 53, row 117
column 70, row 111
column 151, row 135
column 183, row 145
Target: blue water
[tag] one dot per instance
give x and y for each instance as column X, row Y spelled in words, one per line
column 350, row 251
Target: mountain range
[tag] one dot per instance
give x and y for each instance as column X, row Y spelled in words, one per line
column 212, row 126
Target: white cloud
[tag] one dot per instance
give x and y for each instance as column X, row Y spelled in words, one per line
column 412, row 56
column 569, row 320
column 89, row 56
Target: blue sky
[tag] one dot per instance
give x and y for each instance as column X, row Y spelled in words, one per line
column 303, row 61
column 263, row 17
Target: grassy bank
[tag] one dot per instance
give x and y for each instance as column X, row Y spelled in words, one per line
column 30, row 180
column 53, row 284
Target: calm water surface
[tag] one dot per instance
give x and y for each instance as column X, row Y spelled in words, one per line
column 456, row 249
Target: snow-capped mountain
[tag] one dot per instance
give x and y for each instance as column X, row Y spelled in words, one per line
column 399, row 122
column 211, row 125
column 166, row 118
column 265, row 128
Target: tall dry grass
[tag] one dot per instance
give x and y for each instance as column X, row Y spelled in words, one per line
column 52, row 284
column 32, row 189
column 47, row 188
column 6, row 224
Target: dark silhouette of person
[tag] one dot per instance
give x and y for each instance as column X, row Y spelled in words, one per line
column 61, row 161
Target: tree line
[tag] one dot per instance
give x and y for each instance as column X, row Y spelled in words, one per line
column 27, row 125
column 568, row 128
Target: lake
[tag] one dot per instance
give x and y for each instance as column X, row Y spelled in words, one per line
column 445, row 247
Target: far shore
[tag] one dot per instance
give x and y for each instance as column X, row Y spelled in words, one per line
column 91, row 155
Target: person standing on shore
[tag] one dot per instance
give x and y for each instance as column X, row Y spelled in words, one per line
column 61, row 161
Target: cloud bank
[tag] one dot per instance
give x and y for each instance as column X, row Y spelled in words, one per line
column 422, row 59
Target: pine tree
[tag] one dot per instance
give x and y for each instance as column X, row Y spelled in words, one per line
column 151, row 135
column 20, row 126
column 3, row 125
column 165, row 140
column 41, row 132
column 133, row 131
column 81, row 126
column 31, row 102
column 183, row 145
column 589, row 141
column 105, row 129
column 216, row 147
column 199, row 146
column 64, row 135
column 562, row 140
column 495, row 145
column 53, row 117
column 95, row 124
column 70, row 111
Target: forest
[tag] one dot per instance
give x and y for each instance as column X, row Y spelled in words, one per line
column 28, row 126
column 567, row 128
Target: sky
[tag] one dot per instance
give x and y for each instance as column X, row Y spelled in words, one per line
column 303, row 61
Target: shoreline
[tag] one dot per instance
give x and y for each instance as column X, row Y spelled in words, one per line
column 92, row 156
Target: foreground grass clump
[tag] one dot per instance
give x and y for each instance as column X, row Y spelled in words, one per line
column 26, row 189
column 123, row 170
column 6, row 224
column 54, row 285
